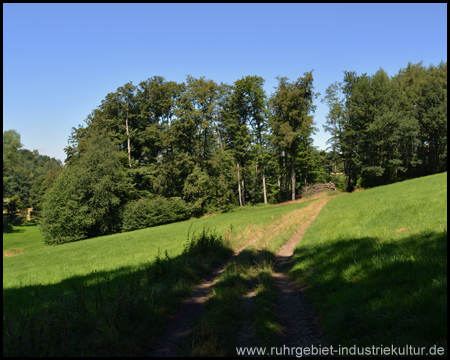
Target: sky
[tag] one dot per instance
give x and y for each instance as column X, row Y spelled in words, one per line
column 61, row 60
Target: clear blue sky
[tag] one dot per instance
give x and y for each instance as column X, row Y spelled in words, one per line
column 60, row 60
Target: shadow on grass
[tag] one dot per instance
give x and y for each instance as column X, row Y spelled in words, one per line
column 372, row 292
column 105, row 313
column 228, row 309
column 9, row 228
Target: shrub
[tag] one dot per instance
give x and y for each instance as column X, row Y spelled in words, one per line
column 87, row 198
column 12, row 207
column 147, row 212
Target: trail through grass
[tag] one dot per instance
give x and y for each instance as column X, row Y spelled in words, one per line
column 124, row 250
column 240, row 307
column 94, row 288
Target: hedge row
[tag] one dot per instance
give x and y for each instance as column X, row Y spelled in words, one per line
column 143, row 213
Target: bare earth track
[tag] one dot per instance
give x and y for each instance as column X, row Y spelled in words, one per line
column 299, row 323
column 294, row 312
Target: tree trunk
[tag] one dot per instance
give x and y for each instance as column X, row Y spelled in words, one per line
column 128, row 139
column 243, row 190
column 347, row 176
column 293, row 177
column 306, row 167
column 218, row 133
column 264, row 182
column 335, row 162
column 256, row 179
column 239, row 186
column 286, row 188
column 335, row 149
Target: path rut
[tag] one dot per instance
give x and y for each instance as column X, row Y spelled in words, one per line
column 299, row 322
column 182, row 322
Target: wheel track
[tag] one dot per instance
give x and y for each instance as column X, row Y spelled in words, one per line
column 181, row 323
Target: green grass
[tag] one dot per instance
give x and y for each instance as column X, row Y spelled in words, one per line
column 107, row 314
column 95, row 280
column 53, row 264
column 375, row 265
column 26, row 237
column 227, row 311
column 230, row 314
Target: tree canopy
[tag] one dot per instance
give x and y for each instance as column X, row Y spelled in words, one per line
column 186, row 149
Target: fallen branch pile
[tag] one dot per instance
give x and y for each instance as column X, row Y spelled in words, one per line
column 317, row 189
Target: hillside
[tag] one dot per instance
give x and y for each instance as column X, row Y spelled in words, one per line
column 375, row 265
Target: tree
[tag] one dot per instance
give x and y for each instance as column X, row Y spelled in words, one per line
column 40, row 186
column 12, row 206
column 87, row 198
column 11, row 146
column 290, row 121
column 245, row 109
column 252, row 87
column 335, row 119
column 351, row 127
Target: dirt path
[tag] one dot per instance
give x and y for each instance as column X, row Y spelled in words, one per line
column 299, row 323
column 181, row 323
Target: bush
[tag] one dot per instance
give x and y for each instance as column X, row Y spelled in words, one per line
column 228, row 208
column 87, row 198
column 369, row 180
column 339, row 182
column 211, row 207
column 147, row 212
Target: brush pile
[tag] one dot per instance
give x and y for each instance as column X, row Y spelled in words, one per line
column 317, row 189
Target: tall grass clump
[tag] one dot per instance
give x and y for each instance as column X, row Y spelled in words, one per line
column 375, row 265
column 105, row 314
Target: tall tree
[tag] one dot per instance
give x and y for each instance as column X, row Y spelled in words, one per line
column 11, row 146
column 252, row 87
column 291, row 121
column 235, row 121
column 119, row 109
column 335, row 119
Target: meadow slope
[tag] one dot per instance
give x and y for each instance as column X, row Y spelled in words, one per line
column 375, row 265
column 124, row 252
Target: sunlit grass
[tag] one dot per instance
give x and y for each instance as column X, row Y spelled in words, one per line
column 26, row 237
column 48, row 282
column 375, row 265
column 53, row 264
column 241, row 303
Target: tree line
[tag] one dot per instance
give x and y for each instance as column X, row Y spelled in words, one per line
column 386, row 129
column 164, row 151
column 27, row 175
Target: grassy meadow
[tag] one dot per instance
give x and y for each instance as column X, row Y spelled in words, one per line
column 98, row 286
column 375, row 265
column 24, row 238
column 123, row 250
